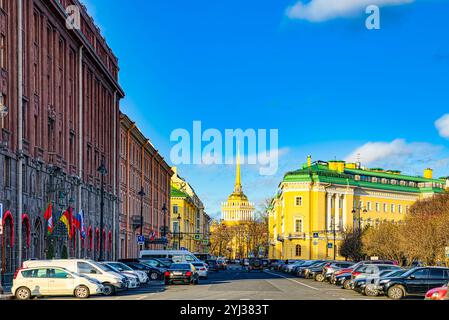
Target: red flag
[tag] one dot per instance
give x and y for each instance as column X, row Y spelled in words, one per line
column 48, row 213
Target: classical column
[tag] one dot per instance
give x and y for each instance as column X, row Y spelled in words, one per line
column 329, row 212
column 337, row 212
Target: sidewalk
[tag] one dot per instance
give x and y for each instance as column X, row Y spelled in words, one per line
column 6, row 295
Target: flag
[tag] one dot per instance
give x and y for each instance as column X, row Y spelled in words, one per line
column 82, row 227
column 48, row 215
column 66, row 218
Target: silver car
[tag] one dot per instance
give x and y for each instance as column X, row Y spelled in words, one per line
column 201, row 268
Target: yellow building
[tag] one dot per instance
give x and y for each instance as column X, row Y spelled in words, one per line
column 236, row 212
column 315, row 204
column 190, row 225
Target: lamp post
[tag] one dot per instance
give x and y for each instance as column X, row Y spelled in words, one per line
column 164, row 232
column 103, row 171
column 141, row 194
column 179, row 231
column 359, row 218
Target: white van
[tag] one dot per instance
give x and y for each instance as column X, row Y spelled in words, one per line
column 175, row 255
column 112, row 281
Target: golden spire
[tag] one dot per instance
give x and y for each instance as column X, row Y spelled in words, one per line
column 238, row 182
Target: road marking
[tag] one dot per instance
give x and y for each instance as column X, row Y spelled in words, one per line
column 303, row 284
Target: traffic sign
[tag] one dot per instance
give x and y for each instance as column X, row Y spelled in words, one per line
column 316, row 235
column 206, row 242
column 140, row 240
column 330, row 245
column 315, row 243
column 197, row 237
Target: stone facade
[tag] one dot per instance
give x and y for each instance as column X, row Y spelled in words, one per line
column 54, row 137
column 141, row 166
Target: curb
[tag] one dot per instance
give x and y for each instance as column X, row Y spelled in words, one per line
column 6, row 297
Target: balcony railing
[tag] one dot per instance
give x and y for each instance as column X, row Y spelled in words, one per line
column 297, row 235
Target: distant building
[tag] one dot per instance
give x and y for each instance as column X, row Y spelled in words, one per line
column 323, row 197
column 141, row 166
column 190, row 224
column 235, row 213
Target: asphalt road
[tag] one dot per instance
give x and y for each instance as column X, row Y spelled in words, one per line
column 238, row 284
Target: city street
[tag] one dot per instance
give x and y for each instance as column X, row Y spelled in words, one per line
column 238, row 284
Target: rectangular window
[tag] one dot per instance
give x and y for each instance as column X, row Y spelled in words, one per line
column 368, row 205
column 385, row 207
column 298, row 225
column 2, row 51
column 393, row 208
column 298, row 201
column 378, row 207
column 175, row 209
column 400, row 208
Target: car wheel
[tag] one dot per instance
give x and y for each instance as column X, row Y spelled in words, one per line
column 23, row 293
column 82, row 292
column 108, row 290
column 154, row 276
column 347, row 284
column 370, row 292
column 319, row 277
column 396, row 292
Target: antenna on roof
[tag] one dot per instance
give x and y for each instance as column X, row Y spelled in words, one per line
column 358, row 163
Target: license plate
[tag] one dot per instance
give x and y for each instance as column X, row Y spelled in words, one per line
column 177, row 273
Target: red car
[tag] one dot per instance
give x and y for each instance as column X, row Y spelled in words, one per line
column 441, row 293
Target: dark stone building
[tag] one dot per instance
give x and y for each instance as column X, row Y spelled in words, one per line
column 59, row 108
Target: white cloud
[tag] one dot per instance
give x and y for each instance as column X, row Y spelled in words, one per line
column 395, row 154
column 321, row 10
column 442, row 125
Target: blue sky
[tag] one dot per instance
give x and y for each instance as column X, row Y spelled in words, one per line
column 331, row 87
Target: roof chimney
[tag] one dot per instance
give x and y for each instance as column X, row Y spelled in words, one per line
column 428, row 173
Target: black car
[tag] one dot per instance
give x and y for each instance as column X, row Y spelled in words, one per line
column 213, row 265
column 312, row 271
column 300, row 271
column 181, row 273
column 255, row 264
column 416, row 281
column 153, row 273
column 342, row 279
column 160, row 263
column 370, row 286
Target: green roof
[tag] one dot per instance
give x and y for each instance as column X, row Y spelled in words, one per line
column 319, row 172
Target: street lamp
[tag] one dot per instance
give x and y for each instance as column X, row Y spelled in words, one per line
column 354, row 211
column 141, row 194
column 164, row 232
column 103, row 171
column 179, row 231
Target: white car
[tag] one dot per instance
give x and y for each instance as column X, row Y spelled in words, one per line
column 112, row 281
column 124, row 269
column 132, row 281
column 53, row 281
column 201, row 268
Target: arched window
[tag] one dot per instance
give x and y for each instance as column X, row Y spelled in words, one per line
column 38, row 239
column 8, row 241
column 298, row 250
column 26, row 235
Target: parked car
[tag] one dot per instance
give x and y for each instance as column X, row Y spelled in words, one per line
column 132, row 281
column 53, row 281
column 201, row 268
column 160, row 263
column 212, row 265
column 368, row 270
column 311, row 271
column 368, row 284
column 290, row 266
column 181, row 272
column 255, row 264
column 124, row 269
column 417, row 281
column 370, row 287
column 441, row 293
column 330, row 268
column 273, row 263
column 358, row 264
column 1, row 290
column 112, row 281
column 153, row 273
column 300, row 271
column 343, row 278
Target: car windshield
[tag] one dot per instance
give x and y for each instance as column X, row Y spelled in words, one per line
column 100, row 266
column 180, row 266
column 409, row 272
